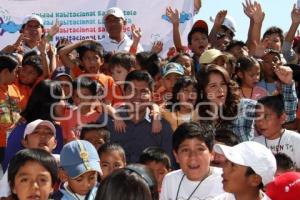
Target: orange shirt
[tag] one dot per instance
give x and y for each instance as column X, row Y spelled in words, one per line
column 10, row 99
column 74, row 121
column 161, row 96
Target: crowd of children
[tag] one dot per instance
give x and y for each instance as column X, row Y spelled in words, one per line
column 106, row 120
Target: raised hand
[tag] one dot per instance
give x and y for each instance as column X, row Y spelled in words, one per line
column 254, row 11
column 173, row 15
column 220, row 17
column 295, row 15
column 55, row 28
column 284, row 73
column 157, row 47
column 136, row 33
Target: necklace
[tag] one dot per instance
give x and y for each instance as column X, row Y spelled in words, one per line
column 245, row 95
column 177, row 193
column 278, row 144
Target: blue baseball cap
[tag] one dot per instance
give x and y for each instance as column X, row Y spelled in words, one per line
column 172, row 67
column 78, row 157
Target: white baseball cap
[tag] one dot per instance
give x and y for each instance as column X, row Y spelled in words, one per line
column 32, row 126
column 33, row 18
column 251, row 154
column 115, row 11
column 229, row 23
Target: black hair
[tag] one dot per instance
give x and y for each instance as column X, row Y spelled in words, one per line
column 40, row 102
column 108, row 147
column 103, row 131
column 91, row 46
column 193, row 130
column 249, row 172
column 227, row 137
column 130, row 183
column 142, row 58
column 245, row 63
column 155, row 154
column 196, row 30
column 274, row 103
column 274, row 30
column 181, row 83
column 124, row 59
column 235, row 43
column 180, row 55
column 137, row 75
column 8, row 62
column 36, row 155
column 34, row 60
column 87, row 83
column 284, row 162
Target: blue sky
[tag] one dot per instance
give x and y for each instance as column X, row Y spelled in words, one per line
column 277, row 12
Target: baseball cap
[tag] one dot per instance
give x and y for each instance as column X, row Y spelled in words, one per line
column 210, row 55
column 32, row 126
column 78, row 157
column 285, row 187
column 200, row 24
column 251, row 154
column 229, row 23
column 115, row 11
column 172, row 67
column 33, row 18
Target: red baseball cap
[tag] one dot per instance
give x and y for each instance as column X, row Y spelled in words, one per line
column 200, row 24
column 285, row 187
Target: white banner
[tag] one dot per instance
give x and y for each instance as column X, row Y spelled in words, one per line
column 82, row 19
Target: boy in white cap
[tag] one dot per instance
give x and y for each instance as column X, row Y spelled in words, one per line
column 249, row 167
column 39, row 134
column 80, row 165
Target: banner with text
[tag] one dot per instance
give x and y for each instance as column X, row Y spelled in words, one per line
column 82, row 19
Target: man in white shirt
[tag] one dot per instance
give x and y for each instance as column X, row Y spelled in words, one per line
column 116, row 40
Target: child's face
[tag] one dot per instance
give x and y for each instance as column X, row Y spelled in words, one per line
column 159, row 170
column 250, row 77
column 66, row 85
column 270, row 61
column 234, row 178
column 268, row 123
column 28, row 75
column 119, row 73
column 84, row 183
column 42, row 138
column 194, row 158
column 188, row 96
column 239, row 51
column 273, row 42
column 32, row 181
column 110, row 161
column 33, row 31
column 199, row 43
column 216, row 89
column 91, row 62
column 187, row 63
column 81, row 95
column 170, row 80
column 94, row 137
column 8, row 77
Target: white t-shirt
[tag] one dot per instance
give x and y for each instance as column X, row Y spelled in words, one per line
column 111, row 45
column 229, row 196
column 208, row 189
column 289, row 145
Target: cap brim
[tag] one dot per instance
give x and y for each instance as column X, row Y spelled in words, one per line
column 230, row 154
column 173, row 72
column 76, row 170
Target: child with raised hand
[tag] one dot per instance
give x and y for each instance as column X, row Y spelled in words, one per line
column 112, row 157
column 80, row 166
column 32, row 174
column 248, row 75
column 181, row 107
